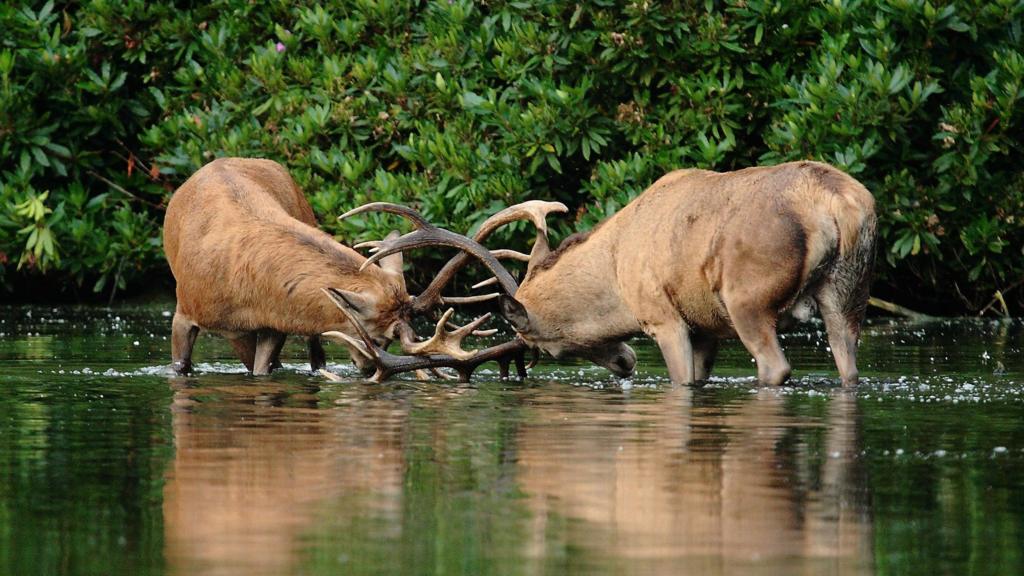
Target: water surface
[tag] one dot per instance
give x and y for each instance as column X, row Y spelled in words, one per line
column 108, row 466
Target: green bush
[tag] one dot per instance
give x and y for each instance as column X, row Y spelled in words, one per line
column 463, row 107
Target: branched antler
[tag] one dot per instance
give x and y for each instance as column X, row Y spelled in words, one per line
column 443, row 350
column 445, row 342
column 426, row 234
column 535, row 211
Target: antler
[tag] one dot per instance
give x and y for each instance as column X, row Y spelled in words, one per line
column 426, row 234
column 388, row 364
column 443, row 341
column 535, row 211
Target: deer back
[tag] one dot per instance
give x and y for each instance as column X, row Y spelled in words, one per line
column 693, row 232
column 243, row 246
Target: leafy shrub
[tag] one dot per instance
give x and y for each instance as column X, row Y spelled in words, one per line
column 463, row 107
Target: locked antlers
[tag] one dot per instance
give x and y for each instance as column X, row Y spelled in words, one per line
column 535, row 211
column 443, row 350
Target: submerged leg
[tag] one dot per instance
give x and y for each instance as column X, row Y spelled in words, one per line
column 756, row 329
column 842, row 335
column 275, row 357
column 317, row 358
column 183, row 339
column 268, row 346
column 676, row 349
column 245, row 348
column 705, row 349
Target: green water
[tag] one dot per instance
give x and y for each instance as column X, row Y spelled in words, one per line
column 108, row 466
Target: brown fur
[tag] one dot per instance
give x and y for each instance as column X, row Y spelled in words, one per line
column 702, row 255
column 249, row 262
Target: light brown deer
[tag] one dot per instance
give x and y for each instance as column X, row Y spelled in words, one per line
column 701, row 256
column 250, row 264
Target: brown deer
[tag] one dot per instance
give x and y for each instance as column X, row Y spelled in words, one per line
column 250, row 264
column 701, row 256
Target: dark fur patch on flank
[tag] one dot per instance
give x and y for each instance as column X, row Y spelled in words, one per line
column 799, row 240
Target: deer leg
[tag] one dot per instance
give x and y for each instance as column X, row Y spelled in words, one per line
column 245, row 348
column 842, row 335
column 756, row 329
column 705, row 349
column 183, row 339
column 317, row 358
column 268, row 346
column 275, row 357
column 676, row 349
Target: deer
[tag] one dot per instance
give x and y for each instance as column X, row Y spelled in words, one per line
column 251, row 264
column 698, row 257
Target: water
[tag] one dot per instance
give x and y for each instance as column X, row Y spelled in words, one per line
column 108, row 466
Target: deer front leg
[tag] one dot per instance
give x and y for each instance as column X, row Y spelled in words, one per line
column 317, row 358
column 183, row 338
column 677, row 350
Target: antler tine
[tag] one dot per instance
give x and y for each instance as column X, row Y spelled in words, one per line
column 535, row 211
column 445, row 342
column 488, row 282
column 469, row 299
column 429, row 235
column 373, row 245
column 415, row 217
column 505, row 254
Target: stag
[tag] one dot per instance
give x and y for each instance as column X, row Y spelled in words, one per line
column 250, row 264
column 698, row 257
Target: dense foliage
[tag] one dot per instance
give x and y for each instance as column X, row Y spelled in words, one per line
column 462, row 107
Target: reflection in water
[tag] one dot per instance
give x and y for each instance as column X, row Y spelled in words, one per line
column 105, row 469
column 273, row 477
column 676, row 486
column 253, row 463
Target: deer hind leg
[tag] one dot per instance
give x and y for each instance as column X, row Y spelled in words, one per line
column 677, row 350
column 317, row 358
column 705, row 349
column 245, row 348
column 843, row 330
column 183, row 339
column 755, row 325
column 268, row 349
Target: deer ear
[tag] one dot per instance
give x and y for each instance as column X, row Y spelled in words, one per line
column 392, row 263
column 515, row 313
column 361, row 304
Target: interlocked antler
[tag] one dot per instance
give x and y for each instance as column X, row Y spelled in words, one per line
column 445, row 342
column 426, row 234
column 438, row 352
column 535, row 211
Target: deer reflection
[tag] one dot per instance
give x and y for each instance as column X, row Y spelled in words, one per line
column 732, row 487
column 251, row 463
